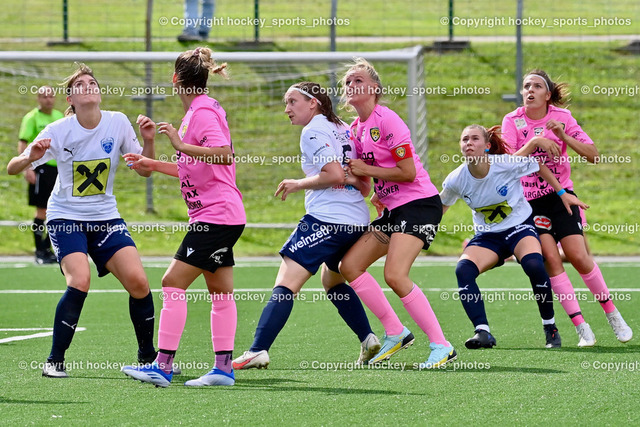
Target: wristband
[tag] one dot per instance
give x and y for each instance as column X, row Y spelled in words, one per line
column 561, row 192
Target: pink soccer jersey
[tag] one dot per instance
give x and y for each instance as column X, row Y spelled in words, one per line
column 209, row 190
column 382, row 140
column 518, row 129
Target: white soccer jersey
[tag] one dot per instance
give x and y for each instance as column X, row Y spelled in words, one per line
column 322, row 142
column 497, row 200
column 87, row 162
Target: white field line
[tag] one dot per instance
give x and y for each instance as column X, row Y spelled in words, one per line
column 28, row 337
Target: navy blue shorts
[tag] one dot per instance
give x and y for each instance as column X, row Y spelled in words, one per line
column 504, row 242
column 99, row 239
column 315, row 242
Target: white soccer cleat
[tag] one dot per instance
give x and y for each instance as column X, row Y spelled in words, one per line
column 368, row 348
column 587, row 338
column 149, row 374
column 252, row 359
column 620, row 328
column 54, row 370
column 213, row 378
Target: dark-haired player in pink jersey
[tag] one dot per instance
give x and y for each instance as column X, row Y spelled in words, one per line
column 410, row 210
column 541, row 128
column 207, row 175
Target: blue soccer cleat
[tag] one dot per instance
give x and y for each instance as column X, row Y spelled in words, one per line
column 440, row 355
column 391, row 344
column 149, row 374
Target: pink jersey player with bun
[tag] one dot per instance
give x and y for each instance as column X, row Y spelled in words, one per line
column 410, row 211
column 542, row 128
column 206, row 169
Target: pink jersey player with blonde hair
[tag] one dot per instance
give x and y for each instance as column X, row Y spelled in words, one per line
column 410, row 212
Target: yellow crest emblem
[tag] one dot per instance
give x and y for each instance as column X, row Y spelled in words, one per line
column 375, row 134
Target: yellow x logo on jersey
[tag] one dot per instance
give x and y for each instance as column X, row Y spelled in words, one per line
column 90, row 177
column 495, row 213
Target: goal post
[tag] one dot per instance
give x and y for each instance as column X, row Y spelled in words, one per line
column 265, row 142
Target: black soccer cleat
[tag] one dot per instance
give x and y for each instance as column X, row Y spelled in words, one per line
column 553, row 336
column 45, row 257
column 482, row 339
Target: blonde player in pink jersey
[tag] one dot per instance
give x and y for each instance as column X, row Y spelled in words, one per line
column 216, row 220
column 541, row 128
column 411, row 211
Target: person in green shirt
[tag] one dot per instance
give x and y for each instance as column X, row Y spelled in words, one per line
column 43, row 178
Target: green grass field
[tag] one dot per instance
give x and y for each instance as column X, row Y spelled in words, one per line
column 311, row 380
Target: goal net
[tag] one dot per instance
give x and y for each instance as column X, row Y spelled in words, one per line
column 266, row 145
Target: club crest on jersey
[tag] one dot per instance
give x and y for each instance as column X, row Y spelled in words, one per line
column 502, row 190
column 401, row 152
column 184, row 130
column 538, row 131
column 107, row 145
column 520, row 123
column 375, row 134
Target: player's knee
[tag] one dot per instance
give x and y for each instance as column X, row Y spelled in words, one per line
column 349, row 270
column 583, row 263
column 395, row 279
column 137, row 285
column 554, row 266
column 466, row 271
column 533, row 264
column 79, row 281
column 167, row 281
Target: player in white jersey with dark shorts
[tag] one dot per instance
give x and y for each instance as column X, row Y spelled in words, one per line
column 489, row 183
column 82, row 216
column 336, row 216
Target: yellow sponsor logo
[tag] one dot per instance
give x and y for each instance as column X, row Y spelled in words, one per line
column 90, row 177
column 495, row 213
